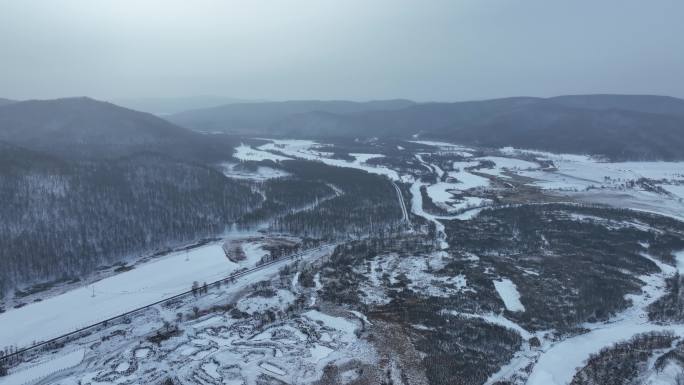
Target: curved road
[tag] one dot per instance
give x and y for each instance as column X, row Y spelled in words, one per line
column 402, row 204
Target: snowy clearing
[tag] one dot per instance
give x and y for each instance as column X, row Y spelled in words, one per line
column 145, row 284
column 279, row 301
column 306, row 149
column 262, row 173
column 244, row 152
column 44, row 369
column 617, row 184
column 418, row 270
column 445, row 146
column 338, row 323
column 496, row 319
column 466, row 180
column 509, row 294
column 679, row 257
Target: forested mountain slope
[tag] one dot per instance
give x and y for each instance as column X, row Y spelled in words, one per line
column 641, row 103
column 87, row 128
column 64, row 218
column 617, row 134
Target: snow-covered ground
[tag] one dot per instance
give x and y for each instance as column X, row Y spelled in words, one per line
column 509, row 294
column 43, row 369
column 679, row 257
column 441, row 194
column 503, row 164
column 611, row 183
column 669, row 375
column 559, row 363
column 496, row 319
column 247, row 153
column 466, row 180
column 338, row 323
column 676, row 190
column 400, row 197
column 147, row 283
column 556, row 361
column 262, row 173
column 459, row 182
column 307, row 149
column 417, row 208
column 254, row 252
column 452, row 148
column 317, row 287
column 420, row 272
column 211, row 345
column 280, row 300
column 284, row 351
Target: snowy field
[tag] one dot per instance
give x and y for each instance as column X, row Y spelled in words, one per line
column 580, row 176
column 307, row 149
column 232, row 170
column 147, row 283
column 445, row 146
column 419, row 272
column 611, row 183
column 43, row 369
column 509, row 294
column 506, row 164
column 209, row 347
column 248, row 153
column 442, row 194
column 495, row 319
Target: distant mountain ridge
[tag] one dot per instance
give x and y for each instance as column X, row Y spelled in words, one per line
column 621, row 127
column 83, row 126
column 655, row 104
column 174, row 105
column 245, row 118
column 616, row 134
column 4, row 101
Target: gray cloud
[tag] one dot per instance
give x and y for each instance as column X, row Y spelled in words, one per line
column 351, row 49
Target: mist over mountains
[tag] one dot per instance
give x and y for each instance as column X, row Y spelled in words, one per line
column 620, row 127
column 268, row 117
column 617, row 126
column 170, row 105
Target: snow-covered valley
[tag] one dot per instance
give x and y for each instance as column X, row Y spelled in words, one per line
column 462, row 262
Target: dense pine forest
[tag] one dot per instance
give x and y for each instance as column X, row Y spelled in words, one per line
column 62, row 219
column 367, row 204
column 65, row 218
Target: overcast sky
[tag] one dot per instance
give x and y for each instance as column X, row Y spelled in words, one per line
column 342, row 49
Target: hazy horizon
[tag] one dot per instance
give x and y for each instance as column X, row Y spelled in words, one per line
column 258, row 50
column 231, row 100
